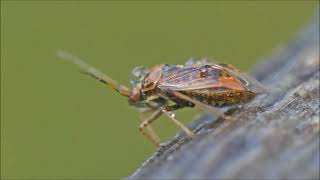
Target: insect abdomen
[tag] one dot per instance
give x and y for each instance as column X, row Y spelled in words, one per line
column 221, row 98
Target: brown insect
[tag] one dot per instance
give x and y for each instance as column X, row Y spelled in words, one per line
column 165, row 88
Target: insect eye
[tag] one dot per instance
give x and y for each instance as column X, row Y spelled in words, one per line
column 135, row 95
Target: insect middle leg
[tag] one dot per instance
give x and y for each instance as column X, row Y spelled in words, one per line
column 147, row 131
column 166, row 110
column 200, row 104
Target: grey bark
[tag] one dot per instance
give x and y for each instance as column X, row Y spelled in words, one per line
column 274, row 136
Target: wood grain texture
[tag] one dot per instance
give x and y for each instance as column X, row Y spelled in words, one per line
column 275, row 136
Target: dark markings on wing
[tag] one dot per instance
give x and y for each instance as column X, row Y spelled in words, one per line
column 188, row 78
column 181, row 78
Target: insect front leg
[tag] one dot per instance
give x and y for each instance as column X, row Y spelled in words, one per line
column 166, row 110
column 145, row 129
column 144, row 114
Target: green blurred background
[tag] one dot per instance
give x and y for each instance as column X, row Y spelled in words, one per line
column 58, row 123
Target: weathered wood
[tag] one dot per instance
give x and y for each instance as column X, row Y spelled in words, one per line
column 274, row 136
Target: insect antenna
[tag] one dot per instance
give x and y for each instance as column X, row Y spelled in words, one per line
column 92, row 71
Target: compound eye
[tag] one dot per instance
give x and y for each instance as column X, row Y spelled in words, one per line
column 135, row 95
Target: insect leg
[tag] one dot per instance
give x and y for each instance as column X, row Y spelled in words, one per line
column 149, row 130
column 200, row 104
column 91, row 71
column 178, row 123
column 147, row 122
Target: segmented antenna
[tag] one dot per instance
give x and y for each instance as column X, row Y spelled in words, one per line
column 94, row 72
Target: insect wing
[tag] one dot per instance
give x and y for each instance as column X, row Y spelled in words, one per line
column 249, row 83
column 246, row 80
column 188, row 78
column 181, row 78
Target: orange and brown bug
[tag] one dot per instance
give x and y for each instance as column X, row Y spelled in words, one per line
column 166, row 88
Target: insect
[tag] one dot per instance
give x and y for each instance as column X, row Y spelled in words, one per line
column 166, row 88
